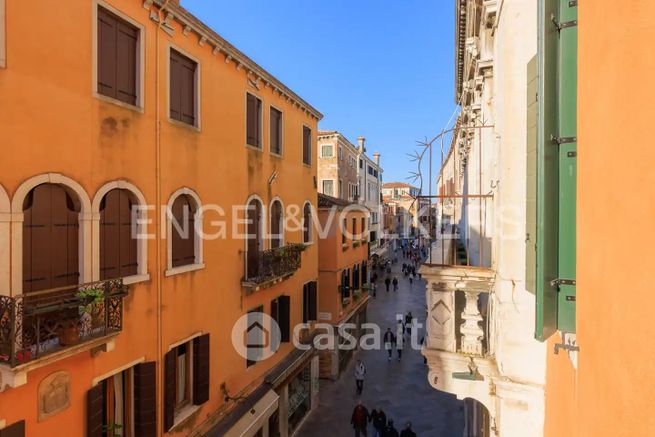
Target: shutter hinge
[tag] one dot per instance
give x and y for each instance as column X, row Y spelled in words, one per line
column 564, row 24
column 560, row 281
column 563, row 140
column 566, row 347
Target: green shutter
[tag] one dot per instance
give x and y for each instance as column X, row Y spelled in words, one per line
column 556, row 167
column 531, row 180
column 568, row 45
column 547, row 171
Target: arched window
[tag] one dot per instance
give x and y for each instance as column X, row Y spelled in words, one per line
column 118, row 247
column 277, row 225
column 50, row 238
column 183, row 244
column 307, row 223
column 254, row 238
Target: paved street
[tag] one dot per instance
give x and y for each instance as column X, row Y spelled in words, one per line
column 401, row 388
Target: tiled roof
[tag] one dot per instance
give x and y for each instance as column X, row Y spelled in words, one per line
column 397, row 185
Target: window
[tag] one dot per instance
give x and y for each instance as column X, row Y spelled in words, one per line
column 254, row 238
column 277, row 225
column 344, row 232
column 281, row 313
column 327, row 151
column 307, row 223
column 276, row 131
column 118, row 43
column 253, row 121
column 183, row 89
column 256, row 339
column 309, row 302
column 363, row 228
column 355, row 229
column 124, row 403
column 355, row 277
column 361, row 163
column 50, row 238
column 551, row 189
column 186, row 377
column 340, row 153
column 118, row 249
column 328, row 187
column 306, row 145
column 364, row 273
column 183, row 231
column 340, row 189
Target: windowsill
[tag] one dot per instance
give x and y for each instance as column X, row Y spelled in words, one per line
column 308, row 243
column 135, row 279
column 276, row 155
column 257, row 148
column 307, row 165
column 183, row 415
column 113, row 101
column 184, row 269
column 184, row 125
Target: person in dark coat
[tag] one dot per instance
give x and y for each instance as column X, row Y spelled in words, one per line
column 390, row 430
column 389, row 340
column 408, row 322
column 359, row 419
column 395, row 284
column 407, row 432
column 387, row 283
column 379, row 420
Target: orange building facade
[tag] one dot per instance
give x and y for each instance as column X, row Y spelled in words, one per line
column 344, row 280
column 606, row 389
column 130, row 132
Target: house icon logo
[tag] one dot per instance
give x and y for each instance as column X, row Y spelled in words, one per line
column 256, row 336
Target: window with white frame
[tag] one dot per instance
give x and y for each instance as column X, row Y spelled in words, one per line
column 328, row 187
column 327, row 151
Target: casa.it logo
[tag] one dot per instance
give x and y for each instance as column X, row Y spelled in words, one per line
column 256, row 336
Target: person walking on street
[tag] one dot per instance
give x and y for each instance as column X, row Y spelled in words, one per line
column 359, row 419
column 387, row 282
column 379, row 420
column 390, row 430
column 388, row 340
column 407, row 432
column 395, row 284
column 360, row 371
column 400, row 330
column 408, row 322
column 410, row 280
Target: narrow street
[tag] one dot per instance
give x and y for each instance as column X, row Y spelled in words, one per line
column 401, row 389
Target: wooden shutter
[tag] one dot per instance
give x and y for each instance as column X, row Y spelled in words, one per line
column 183, row 246
column 284, row 314
column 276, row 225
column 254, row 237
column 182, row 96
column 145, row 399
column 175, row 83
column 307, row 223
column 531, row 179
column 94, row 411
column 117, row 54
column 313, row 301
column 16, row 429
column 50, row 236
column 253, row 124
column 117, row 247
column 201, row 369
column 169, row 389
column 306, row 145
column 305, row 303
column 276, row 131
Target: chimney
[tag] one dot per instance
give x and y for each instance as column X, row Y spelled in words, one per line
column 361, row 141
column 376, row 158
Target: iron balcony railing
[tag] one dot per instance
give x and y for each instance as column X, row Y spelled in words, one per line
column 36, row 324
column 267, row 265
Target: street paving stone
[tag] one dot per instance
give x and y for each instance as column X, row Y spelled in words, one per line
column 401, row 389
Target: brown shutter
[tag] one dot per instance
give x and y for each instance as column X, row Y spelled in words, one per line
column 145, row 399
column 254, row 229
column 14, row 430
column 126, row 80
column 176, row 238
column 189, row 242
column 252, row 120
column 313, row 295
column 306, row 145
column 188, row 100
column 201, row 369
column 175, row 95
column 276, row 131
column 276, row 224
column 183, row 249
column 169, row 389
column 284, row 314
column 110, row 236
column 307, row 223
column 94, row 411
column 128, row 245
column 107, row 53
column 305, row 303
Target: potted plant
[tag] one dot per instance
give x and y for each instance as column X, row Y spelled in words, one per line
column 69, row 332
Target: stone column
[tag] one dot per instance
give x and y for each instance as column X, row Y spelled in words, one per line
column 472, row 332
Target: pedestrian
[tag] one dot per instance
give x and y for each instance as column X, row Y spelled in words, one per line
column 360, row 371
column 410, row 280
column 390, row 431
column 359, row 419
column 388, row 341
column 387, row 282
column 400, row 330
column 395, row 284
column 408, row 322
column 375, row 290
column 375, row 277
column 407, row 432
column 379, row 420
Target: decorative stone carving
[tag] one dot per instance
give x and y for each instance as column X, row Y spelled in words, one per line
column 53, row 394
column 472, row 333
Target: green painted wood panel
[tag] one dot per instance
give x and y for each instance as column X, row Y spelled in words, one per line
column 547, row 170
column 531, row 178
column 568, row 78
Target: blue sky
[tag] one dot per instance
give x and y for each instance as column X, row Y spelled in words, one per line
column 382, row 69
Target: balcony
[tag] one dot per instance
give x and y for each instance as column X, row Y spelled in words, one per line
column 268, row 267
column 46, row 325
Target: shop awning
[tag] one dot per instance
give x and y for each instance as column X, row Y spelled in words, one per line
column 249, row 416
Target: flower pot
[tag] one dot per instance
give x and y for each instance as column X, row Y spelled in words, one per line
column 24, row 356
column 69, row 334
